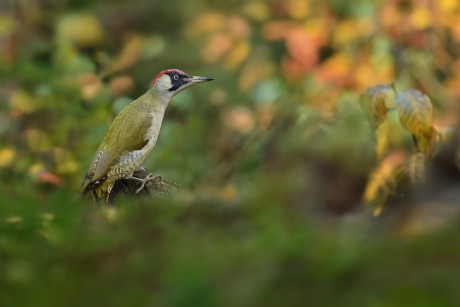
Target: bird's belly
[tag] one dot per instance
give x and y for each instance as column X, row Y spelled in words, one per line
column 130, row 162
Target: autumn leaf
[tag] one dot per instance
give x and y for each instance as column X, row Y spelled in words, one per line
column 7, row 156
column 302, row 46
column 90, row 85
column 83, row 29
column 383, row 181
column 254, row 71
column 37, row 140
column 416, row 116
column 421, row 18
column 121, row 84
column 336, row 70
column 373, row 103
column 390, row 135
column 276, row 30
column 228, row 193
column 128, row 56
column 239, row 119
column 415, row 168
column 415, row 111
column 256, row 10
column 50, row 178
column 297, row 9
column 349, row 30
column 237, row 55
column 238, row 27
column 209, row 22
column 426, row 143
column 218, row 45
column 24, row 102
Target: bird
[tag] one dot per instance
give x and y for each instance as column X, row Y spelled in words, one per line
column 133, row 134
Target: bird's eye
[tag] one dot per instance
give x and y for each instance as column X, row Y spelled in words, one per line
column 176, row 77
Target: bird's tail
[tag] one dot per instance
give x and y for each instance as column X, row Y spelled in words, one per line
column 84, row 187
column 99, row 189
column 101, row 192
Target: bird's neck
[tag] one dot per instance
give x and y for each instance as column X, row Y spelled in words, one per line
column 160, row 99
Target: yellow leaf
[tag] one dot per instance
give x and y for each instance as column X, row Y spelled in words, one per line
column 448, row 6
column 6, row 156
column 391, row 135
column 421, row 18
column 37, row 140
column 83, row 29
column 206, row 23
column 297, row 9
column 8, row 24
column 256, row 10
column 23, row 101
column 374, row 67
column 65, row 164
column 337, row 69
column 253, row 72
column 228, row 193
column 426, row 143
column 415, row 111
column 383, row 180
column 373, row 103
column 36, row 169
column 129, row 55
column 111, row 213
column 67, row 167
column 237, row 55
column 349, row 30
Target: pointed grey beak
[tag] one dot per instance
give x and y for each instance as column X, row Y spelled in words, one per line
column 198, row 79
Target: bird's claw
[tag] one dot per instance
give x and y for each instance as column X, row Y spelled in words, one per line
column 143, row 181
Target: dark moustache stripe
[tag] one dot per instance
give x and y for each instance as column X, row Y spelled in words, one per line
column 177, row 84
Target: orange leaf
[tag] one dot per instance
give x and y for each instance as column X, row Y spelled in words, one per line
column 48, row 177
column 276, row 30
column 302, row 46
column 90, row 85
column 120, row 84
column 217, row 46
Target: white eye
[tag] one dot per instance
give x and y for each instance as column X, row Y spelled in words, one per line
column 176, row 77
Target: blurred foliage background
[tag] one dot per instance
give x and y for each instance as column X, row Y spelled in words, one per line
column 288, row 196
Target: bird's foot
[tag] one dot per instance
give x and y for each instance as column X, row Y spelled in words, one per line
column 143, row 181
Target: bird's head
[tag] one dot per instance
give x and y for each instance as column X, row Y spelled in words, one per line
column 173, row 81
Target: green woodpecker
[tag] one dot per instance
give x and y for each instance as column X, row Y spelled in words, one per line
column 133, row 134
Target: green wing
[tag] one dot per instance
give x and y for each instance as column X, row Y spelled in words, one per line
column 126, row 133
